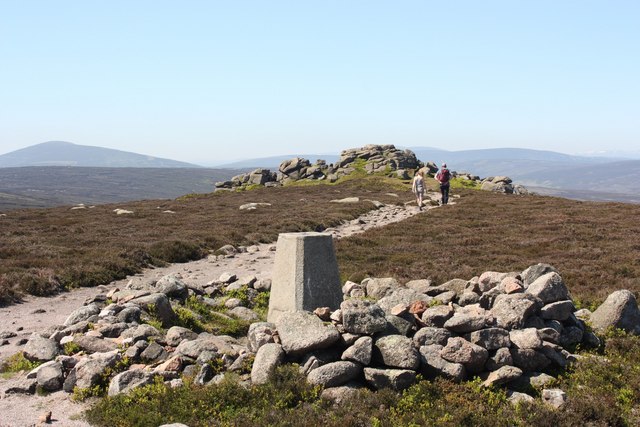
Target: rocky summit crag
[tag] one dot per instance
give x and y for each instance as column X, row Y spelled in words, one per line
column 506, row 328
column 385, row 160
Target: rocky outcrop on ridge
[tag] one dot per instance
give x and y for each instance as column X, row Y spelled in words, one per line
column 372, row 159
column 378, row 159
column 502, row 184
column 506, row 328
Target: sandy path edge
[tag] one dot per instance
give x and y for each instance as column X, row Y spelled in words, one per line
column 37, row 313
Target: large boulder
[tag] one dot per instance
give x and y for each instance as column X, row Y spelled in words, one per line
column 40, row 349
column 397, row 351
column 512, row 311
column 525, row 338
column 360, row 351
column 380, row 287
column 490, row 338
column 334, row 374
column 268, row 358
column 301, row 332
column 50, row 377
column 431, row 335
column 619, row 310
column 129, row 380
column 433, row 364
column 459, row 350
column 177, row 334
column 82, row 313
column 89, row 371
column 172, row 287
column 532, row 273
column 395, row 379
column 92, row 344
column 157, row 305
column 502, row 375
column 549, row 288
column 260, row 333
column 214, row 344
column 466, row 322
column 362, row 317
column 437, row 316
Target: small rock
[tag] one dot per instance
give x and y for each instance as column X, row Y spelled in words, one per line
column 554, row 397
column 323, row 313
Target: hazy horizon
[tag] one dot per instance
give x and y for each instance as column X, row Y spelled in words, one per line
column 215, row 82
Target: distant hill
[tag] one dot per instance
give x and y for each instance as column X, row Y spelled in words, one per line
column 548, row 172
column 274, row 161
column 613, row 177
column 49, row 186
column 60, row 153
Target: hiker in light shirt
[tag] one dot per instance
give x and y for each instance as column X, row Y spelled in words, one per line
column 417, row 187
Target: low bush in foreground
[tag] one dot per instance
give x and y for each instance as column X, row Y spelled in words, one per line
column 17, row 363
column 603, row 390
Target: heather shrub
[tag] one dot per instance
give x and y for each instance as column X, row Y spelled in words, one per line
column 175, row 251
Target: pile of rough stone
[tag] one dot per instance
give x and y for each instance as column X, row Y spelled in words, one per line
column 502, row 184
column 507, row 328
column 109, row 333
column 377, row 158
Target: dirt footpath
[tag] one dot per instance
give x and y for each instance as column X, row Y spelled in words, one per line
column 35, row 314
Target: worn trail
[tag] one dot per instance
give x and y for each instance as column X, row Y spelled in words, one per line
column 35, row 314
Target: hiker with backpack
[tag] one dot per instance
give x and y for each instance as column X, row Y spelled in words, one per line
column 443, row 176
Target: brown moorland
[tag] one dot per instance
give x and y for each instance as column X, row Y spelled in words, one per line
column 45, row 250
column 594, row 245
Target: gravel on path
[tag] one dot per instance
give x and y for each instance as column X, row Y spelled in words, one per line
column 37, row 313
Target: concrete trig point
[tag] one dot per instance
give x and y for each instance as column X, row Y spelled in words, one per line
column 305, row 274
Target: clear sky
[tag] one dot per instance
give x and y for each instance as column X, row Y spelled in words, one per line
column 210, row 81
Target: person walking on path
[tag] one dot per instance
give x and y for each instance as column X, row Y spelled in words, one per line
column 418, row 188
column 443, row 176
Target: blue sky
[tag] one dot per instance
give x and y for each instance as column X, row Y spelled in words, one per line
column 211, row 81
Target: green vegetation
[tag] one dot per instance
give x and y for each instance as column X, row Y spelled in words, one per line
column 70, row 348
column 601, row 390
column 102, row 384
column 17, row 363
column 200, row 317
column 457, row 183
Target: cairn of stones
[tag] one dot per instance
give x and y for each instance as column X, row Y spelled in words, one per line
column 506, row 328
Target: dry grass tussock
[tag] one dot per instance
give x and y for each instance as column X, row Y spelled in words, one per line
column 45, row 250
column 595, row 246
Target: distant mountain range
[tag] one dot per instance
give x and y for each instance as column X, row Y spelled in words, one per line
column 549, row 172
column 274, row 161
column 60, row 153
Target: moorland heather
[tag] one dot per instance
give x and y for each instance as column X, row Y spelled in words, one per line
column 44, row 250
column 594, row 244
